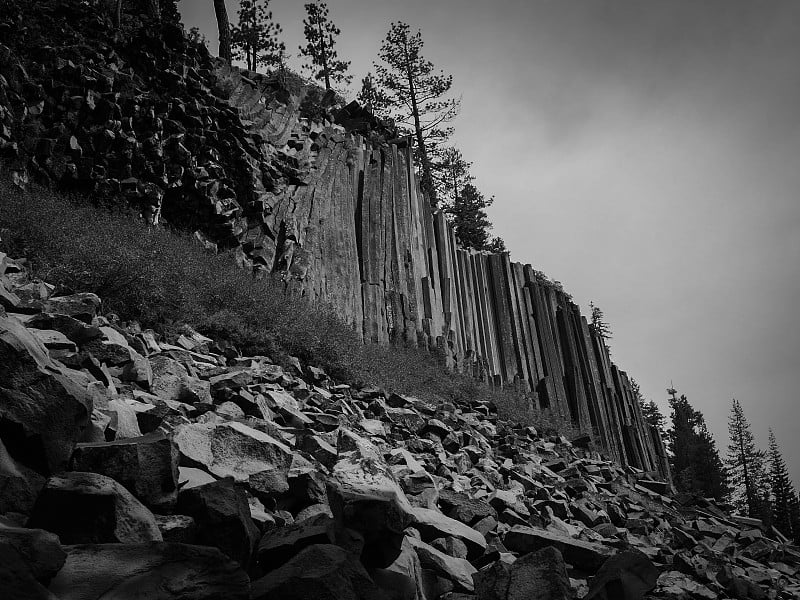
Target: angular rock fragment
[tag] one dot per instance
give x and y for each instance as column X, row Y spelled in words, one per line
column 433, row 524
column 85, row 508
column 44, row 407
column 365, row 498
column 223, row 520
column 539, row 575
column 232, row 449
column 156, row 571
column 147, row 466
column 320, row 571
column 627, row 575
column 583, row 555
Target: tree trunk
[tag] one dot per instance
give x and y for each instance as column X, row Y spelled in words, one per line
column 118, row 15
column 224, row 29
column 427, row 179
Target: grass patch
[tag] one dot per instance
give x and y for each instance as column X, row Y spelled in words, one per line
column 164, row 280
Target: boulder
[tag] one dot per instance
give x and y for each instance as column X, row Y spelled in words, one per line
column 223, row 520
column 171, row 381
column 585, row 556
column 38, row 550
column 19, row 485
column 457, row 570
column 365, row 498
column 232, row 449
column 147, row 466
column 432, row 524
column 82, row 307
column 44, row 406
column 177, row 528
column 628, row 575
column 539, row 575
column 155, row 571
column 460, row 506
column 319, row 572
column 280, row 544
column 90, row 508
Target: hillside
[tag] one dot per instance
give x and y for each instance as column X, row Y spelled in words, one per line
column 157, row 444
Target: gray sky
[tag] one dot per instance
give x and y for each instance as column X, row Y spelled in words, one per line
column 646, row 154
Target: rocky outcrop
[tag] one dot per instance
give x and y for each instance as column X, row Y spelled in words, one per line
column 346, row 493
column 320, row 196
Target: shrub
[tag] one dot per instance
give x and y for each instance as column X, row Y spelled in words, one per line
column 164, row 280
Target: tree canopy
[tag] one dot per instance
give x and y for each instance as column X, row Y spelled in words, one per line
column 694, row 459
column 417, row 96
column 255, row 39
column 320, row 50
column 746, row 468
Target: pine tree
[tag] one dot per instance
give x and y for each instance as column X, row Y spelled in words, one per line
column 450, row 172
column 496, row 245
column 470, row 221
column 320, row 48
column 599, row 325
column 694, row 460
column 786, row 516
column 255, row 38
column 650, row 412
column 224, row 30
column 417, row 96
column 746, row 471
column 372, row 97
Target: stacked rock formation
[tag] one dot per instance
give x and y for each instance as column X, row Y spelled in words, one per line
column 320, row 196
column 133, row 466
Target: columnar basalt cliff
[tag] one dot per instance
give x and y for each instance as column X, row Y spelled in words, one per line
column 320, row 196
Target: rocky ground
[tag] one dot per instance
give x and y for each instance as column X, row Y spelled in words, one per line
column 133, row 466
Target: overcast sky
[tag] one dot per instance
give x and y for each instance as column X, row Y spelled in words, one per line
column 644, row 153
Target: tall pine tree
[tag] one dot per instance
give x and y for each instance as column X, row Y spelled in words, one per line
column 320, row 48
column 694, row 459
column 451, row 172
column 785, row 507
column 746, row 471
column 417, row 96
column 470, row 221
column 255, row 39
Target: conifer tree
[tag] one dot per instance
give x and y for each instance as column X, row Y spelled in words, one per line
column 417, row 96
column 450, row 172
column 599, row 325
column 320, row 49
column 746, row 471
column 694, row 460
column 255, row 38
column 470, row 221
column 372, row 97
column 785, row 507
column 650, row 411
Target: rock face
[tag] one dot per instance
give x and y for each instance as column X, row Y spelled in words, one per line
column 242, row 158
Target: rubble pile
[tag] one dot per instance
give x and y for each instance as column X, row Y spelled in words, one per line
column 137, row 466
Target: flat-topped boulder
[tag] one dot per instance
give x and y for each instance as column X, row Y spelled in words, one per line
column 586, row 556
column 155, row 570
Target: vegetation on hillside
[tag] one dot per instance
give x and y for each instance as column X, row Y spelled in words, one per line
column 165, row 280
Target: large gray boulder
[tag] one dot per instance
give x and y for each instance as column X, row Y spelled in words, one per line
column 319, row 572
column 223, row 520
column 232, row 449
column 147, row 466
column 585, row 556
column 91, row 508
column 44, row 406
column 539, row 575
column 155, row 571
